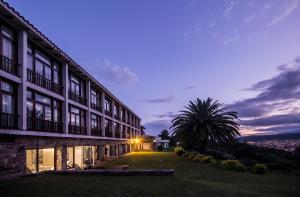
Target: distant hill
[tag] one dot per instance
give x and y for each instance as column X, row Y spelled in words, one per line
column 284, row 136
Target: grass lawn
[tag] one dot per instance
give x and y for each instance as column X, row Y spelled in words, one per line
column 191, row 179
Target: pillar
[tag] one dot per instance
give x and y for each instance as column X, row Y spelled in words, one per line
column 22, row 89
column 65, row 106
column 87, row 114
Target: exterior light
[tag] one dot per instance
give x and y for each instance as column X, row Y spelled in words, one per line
column 136, row 140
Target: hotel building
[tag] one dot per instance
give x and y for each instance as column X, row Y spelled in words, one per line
column 54, row 115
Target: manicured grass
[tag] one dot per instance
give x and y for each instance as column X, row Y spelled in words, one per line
column 191, row 179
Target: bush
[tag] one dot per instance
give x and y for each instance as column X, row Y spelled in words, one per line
column 191, row 156
column 220, row 154
column 198, row 157
column 160, row 147
column 233, row 165
column 281, row 164
column 179, row 150
column 259, row 168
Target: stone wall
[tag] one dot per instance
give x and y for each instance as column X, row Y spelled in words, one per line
column 13, row 153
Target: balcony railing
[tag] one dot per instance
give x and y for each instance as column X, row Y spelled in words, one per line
column 108, row 132
column 39, row 80
column 108, row 113
column 117, row 133
column 123, row 119
column 8, row 121
column 77, row 98
column 96, row 132
column 117, row 117
column 74, row 129
column 96, row 107
column 44, row 125
column 8, row 65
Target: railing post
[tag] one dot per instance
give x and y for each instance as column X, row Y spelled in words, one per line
column 22, row 89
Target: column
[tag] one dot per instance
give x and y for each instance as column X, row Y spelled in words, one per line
column 65, row 106
column 87, row 114
column 22, row 89
column 113, row 116
column 64, row 157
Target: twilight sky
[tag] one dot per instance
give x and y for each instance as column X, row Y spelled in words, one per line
column 157, row 55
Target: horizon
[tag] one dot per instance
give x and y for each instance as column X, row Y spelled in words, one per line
column 156, row 57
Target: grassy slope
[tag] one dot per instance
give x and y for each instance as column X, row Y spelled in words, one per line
column 191, row 179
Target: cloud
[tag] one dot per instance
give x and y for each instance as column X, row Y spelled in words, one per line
column 248, row 19
column 159, row 100
column 229, row 7
column 285, row 10
column 231, row 39
column 114, row 73
column 189, row 87
column 166, row 115
column 156, row 126
column 277, row 102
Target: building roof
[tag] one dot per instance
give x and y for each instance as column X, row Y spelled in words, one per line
column 43, row 39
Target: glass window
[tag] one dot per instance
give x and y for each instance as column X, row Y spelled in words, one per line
column 39, row 67
column 47, row 72
column 29, row 61
column 107, row 104
column 31, row 157
column 7, row 48
column 7, row 104
column 6, row 87
column 46, row 159
column 42, row 99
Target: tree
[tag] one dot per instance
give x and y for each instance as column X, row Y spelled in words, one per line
column 203, row 122
column 164, row 135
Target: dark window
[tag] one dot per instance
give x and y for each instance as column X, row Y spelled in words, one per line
column 117, row 130
column 8, row 111
column 8, row 50
column 108, row 128
column 43, row 70
column 77, row 88
column 95, row 100
column 107, row 104
column 77, row 123
column 96, row 125
column 43, row 113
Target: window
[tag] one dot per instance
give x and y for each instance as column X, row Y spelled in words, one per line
column 107, row 104
column 7, row 42
column 96, row 125
column 77, row 120
column 116, row 110
column 95, row 100
column 108, row 125
column 77, row 85
column 7, row 97
column 117, row 130
column 43, row 112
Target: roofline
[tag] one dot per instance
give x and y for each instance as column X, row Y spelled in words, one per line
column 31, row 27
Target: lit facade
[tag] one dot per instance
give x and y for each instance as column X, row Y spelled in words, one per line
column 53, row 114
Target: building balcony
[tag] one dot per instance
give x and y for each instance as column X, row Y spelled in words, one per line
column 96, row 107
column 108, row 132
column 44, row 125
column 43, row 82
column 117, row 117
column 78, row 130
column 8, row 121
column 75, row 97
column 96, row 132
column 108, row 113
column 9, row 65
column 117, row 133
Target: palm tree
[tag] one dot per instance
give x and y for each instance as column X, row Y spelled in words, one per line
column 203, row 122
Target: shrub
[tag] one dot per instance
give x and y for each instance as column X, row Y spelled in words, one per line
column 220, row 154
column 179, row 150
column 281, row 164
column 259, row 168
column 198, row 157
column 233, row 165
column 191, row 156
column 160, row 147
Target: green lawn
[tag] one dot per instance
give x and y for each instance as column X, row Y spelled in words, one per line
column 191, row 179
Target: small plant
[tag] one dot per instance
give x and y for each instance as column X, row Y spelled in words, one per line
column 198, row 157
column 233, row 165
column 259, row 169
column 191, row 156
column 179, row 150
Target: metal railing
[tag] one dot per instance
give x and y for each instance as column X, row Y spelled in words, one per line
column 96, row 107
column 77, row 98
column 96, row 132
column 8, row 65
column 74, row 129
column 41, row 81
column 36, row 124
column 9, row 121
